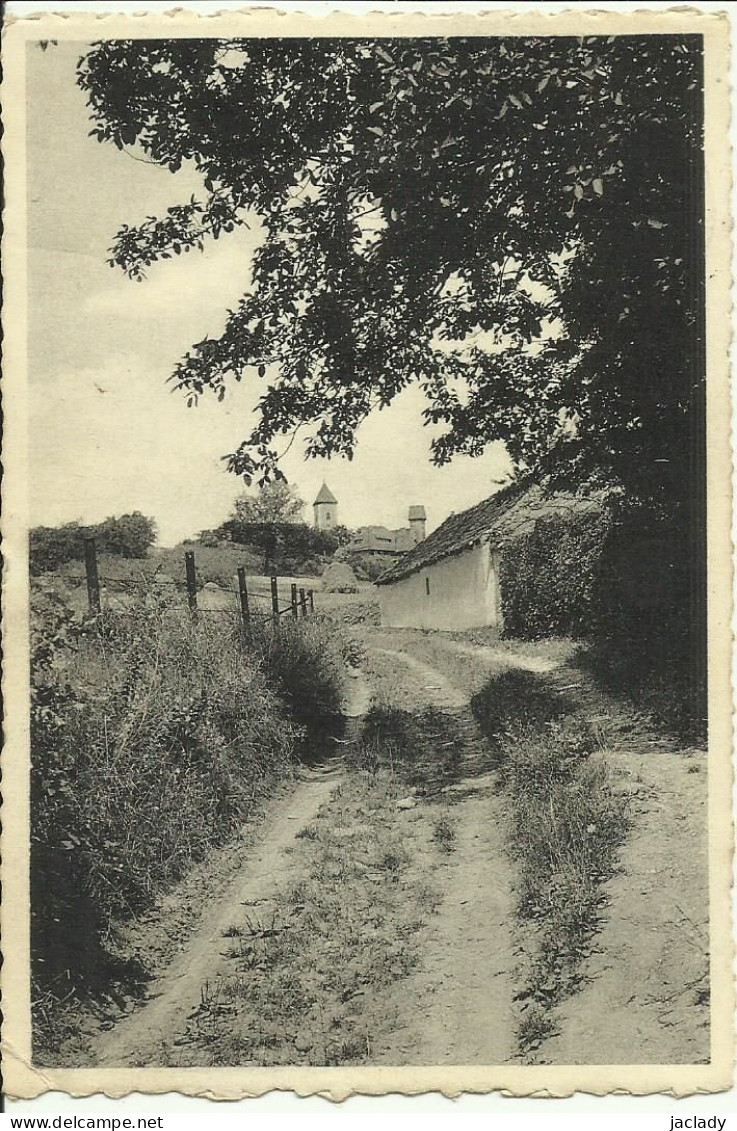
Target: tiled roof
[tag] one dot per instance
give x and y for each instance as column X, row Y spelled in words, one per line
column 508, row 513
column 377, row 539
column 325, row 495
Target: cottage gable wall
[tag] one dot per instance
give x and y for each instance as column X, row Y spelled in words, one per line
column 451, row 579
column 458, row 592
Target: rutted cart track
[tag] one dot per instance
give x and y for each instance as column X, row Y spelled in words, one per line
column 456, row 1004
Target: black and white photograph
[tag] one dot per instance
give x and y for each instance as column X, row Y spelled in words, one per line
column 367, row 553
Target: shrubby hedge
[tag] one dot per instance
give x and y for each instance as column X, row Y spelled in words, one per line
column 152, row 739
column 368, row 566
column 128, row 535
column 596, row 574
column 630, row 584
column 550, row 577
column 287, row 547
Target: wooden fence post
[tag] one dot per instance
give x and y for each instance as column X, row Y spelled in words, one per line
column 311, row 595
column 295, row 610
column 275, row 599
column 303, row 603
column 245, row 611
column 93, row 581
column 191, row 581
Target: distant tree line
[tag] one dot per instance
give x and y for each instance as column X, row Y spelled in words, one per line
column 286, row 547
column 270, row 523
column 128, row 535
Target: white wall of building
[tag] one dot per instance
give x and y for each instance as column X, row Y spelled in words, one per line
column 460, row 591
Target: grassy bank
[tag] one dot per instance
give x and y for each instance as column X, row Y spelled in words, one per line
column 153, row 739
column 566, row 825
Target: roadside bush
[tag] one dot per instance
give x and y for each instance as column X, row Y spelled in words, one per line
column 208, row 538
column 52, row 546
column 62, row 910
column 130, row 535
column 312, row 567
column 285, row 547
column 517, row 698
column 152, row 739
column 421, row 749
column 664, row 676
column 375, row 569
column 305, row 661
column 631, row 583
column 369, row 566
column 649, row 642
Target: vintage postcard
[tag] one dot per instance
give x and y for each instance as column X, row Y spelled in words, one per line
column 367, row 557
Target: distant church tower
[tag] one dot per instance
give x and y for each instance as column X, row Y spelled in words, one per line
column 325, row 507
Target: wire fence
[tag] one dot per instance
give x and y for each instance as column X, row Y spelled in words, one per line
column 149, row 581
column 282, row 598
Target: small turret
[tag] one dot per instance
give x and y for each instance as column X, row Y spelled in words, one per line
column 417, row 518
column 325, row 507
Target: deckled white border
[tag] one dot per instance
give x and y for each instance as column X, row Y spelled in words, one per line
column 21, row 1077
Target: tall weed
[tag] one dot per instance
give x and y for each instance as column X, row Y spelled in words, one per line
column 306, row 661
column 568, row 821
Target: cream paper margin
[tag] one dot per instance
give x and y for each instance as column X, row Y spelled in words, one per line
column 22, row 1078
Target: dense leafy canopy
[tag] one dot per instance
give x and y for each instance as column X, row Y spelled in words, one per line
column 129, row 535
column 514, row 223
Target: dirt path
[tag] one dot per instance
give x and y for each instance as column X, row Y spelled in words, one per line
column 647, row 986
column 458, row 1008
column 429, row 686
column 365, row 849
column 644, row 995
column 145, row 1037
column 455, row 1006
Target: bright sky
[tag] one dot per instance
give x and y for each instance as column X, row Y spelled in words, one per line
column 108, row 435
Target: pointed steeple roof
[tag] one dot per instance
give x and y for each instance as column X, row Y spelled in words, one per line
column 325, row 495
